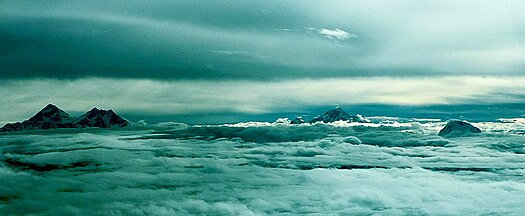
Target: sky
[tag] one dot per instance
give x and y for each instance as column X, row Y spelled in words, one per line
column 201, row 61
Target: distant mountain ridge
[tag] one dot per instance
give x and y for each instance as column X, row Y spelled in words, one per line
column 51, row 117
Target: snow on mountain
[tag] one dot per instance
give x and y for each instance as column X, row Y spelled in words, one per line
column 282, row 121
column 457, row 127
column 100, row 118
column 338, row 114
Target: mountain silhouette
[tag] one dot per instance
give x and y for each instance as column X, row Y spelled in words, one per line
column 51, row 117
column 337, row 114
column 101, row 119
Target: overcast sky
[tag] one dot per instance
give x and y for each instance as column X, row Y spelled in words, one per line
column 254, row 57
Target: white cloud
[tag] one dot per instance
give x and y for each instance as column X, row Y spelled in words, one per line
column 236, row 52
column 336, row 34
column 219, row 170
column 284, row 29
column 226, row 52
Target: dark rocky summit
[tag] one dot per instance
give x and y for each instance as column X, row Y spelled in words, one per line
column 51, row 114
column 101, row 119
column 53, row 117
column 338, row 114
column 457, row 127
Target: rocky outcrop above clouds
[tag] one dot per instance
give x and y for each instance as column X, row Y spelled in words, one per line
column 457, row 127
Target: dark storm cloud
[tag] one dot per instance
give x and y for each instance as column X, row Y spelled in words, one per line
column 162, row 41
column 252, row 40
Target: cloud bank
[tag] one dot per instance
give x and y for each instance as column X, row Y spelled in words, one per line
column 172, row 168
column 150, row 97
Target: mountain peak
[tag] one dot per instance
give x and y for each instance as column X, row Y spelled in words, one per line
column 51, row 114
column 337, row 114
column 100, row 118
column 95, row 109
column 297, row 120
column 458, row 127
column 50, row 107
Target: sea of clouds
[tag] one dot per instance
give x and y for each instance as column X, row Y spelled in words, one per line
column 390, row 167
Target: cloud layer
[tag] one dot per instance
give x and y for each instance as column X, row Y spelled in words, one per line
column 162, row 98
column 260, row 169
column 172, row 40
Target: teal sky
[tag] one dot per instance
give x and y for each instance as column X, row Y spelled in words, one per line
column 257, row 57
